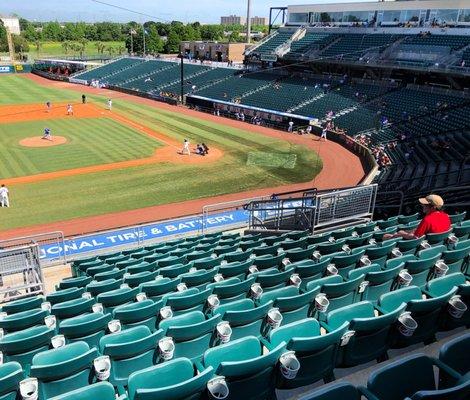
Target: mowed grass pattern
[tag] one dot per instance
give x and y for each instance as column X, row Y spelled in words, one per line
column 91, row 141
column 149, row 185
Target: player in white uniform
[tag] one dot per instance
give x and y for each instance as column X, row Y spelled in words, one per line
column 69, row 109
column 185, row 149
column 4, row 199
column 110, row 104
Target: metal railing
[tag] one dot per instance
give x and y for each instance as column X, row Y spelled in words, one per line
column 55, row 239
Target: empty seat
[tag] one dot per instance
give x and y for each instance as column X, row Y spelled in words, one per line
column 155, row 290
column 26, row 304
column 425, row 311
column 370, row 337
column 100, row 390
column 244, row 318
column 87, row 328
column 22, row 346
column 191, row 333
column 173, row 380
column 342, row 390
column 97, row 287
column 454, row 353
column 141, row 313
column 78, row 282
column 23, row 320
column 231, row 289
column 316, row 353
column 64, row 369
column 186, row 301
column 423, row 384
column 246, row 370
column 64, row 295
column 11, row 375
column 72, row 308
column 129, row 351
column 114, row 298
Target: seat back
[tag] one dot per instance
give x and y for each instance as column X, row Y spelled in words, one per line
column 419, row 366
column 342, row 390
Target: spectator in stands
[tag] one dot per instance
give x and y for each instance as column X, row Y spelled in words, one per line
column 435, row 220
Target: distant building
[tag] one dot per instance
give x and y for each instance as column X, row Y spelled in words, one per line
column 12, row 23
column 259, row 21
column 214, row 51
column 233, row 20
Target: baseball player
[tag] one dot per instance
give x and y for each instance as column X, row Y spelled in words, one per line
column 4, row 199
column 110, row 104
column 185, row 149
column 48, row 106
column 69, row 109
column 47, row 134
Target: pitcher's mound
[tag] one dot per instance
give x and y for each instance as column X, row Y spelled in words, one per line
column 37, row 141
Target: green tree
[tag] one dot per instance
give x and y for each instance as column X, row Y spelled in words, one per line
column 20, row 44
column 212, row 32
column 30, row 33
column 3, row 37
column 154, row 43
column 38, row 45
column 66, row 46
column 172, row 44
column 110, row 50
column 52, row 31
column 100, row 46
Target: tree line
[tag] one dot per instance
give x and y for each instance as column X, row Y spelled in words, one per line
column 159, row 37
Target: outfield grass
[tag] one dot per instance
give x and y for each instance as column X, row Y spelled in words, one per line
column 91, row 141
column 149, row 185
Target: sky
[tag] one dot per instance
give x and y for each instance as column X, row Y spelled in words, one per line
column 207, row 11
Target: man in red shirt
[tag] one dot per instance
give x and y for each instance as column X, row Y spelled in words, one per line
column 434, row 221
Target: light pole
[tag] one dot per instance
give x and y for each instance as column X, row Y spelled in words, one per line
column 248, row 22
column 143, row 35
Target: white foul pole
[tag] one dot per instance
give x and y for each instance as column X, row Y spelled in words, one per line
column 248, row 22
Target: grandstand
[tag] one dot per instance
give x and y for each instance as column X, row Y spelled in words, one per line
column 273, row 297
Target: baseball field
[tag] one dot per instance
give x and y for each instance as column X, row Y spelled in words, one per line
column 101, row 161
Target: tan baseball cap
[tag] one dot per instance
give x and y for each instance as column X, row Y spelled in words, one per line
column 432, row 200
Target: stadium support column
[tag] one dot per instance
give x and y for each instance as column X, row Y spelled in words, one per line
column 182, row 78
column 248, row 22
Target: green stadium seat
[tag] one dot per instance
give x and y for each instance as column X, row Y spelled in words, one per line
column 191, row 333
column 463, row 231
column 129, row 351
column 173, row 380
column 26, row 304
column 238, row 256
column 199, row 279
column 437, row 238
column 87, row 328
column 72, row 308
column 330, row 247
column 22, row 320
column 135, row 280
column 97, row 287
column 11, row 375
column 457, row 314
column 100, row 390
column 422, row 386
column 299, row 254
column 247, row 371
column 454, row 353
column 231, row 289
column 114, row 298
column 263, row 250
column 409, row 246
column 337, row 391
column 457, row 218
column 370, row 340
column 458, row 259
column 64, row 369
column 175, row 270
column 316, row 352
column 114, row 273
column 236, row 269
column 405, row 219
column 380, row 254
column 267, row 261
column 244, row 318
column 155, row 290
column 272, row 279
column 23, row 345
column 378, row 281
column 144, row 266
column 78, row 282
column 64, row 295
column 292, row 304
column 309, row 270
column 141, row 313
column 184, row 302
column 425, row 311
column 346, row 262
column 338, row 292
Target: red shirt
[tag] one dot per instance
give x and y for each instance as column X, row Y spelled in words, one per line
column 434, row 222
